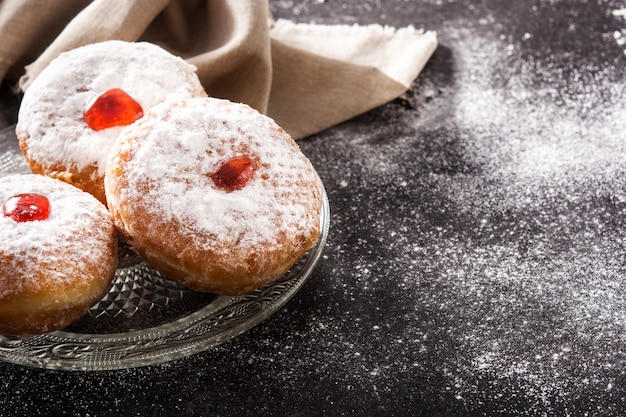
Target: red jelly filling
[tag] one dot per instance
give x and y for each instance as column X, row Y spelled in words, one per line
column 234, row 174
column 26, row 207
column 114, row 107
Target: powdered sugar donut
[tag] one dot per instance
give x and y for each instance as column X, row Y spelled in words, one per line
column 58, row 253
column 214, row 194
column 55, row 137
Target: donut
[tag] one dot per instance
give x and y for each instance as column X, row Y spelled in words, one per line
column 73, row 111
column 213, row 194
column 58, row 254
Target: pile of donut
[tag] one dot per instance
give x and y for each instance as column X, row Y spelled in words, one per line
column 123, row 141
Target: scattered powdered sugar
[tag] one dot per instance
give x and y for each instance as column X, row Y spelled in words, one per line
column 493, row 212
column 523, row 236
column 51, row 113
column 79, row 228
column 620, row 35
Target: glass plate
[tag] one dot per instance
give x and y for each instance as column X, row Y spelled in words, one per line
column 146, row 318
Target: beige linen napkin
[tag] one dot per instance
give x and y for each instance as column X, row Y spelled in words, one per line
column 307, row 77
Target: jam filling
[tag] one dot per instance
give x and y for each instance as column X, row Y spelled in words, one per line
column 26, row 207
column 234, row 173
column 113, row 107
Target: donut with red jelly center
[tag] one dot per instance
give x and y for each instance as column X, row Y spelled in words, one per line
column 77, row 106
column 214, row 194
column 58, row 254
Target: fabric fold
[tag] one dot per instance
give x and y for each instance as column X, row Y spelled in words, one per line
column 26, row 28
column 329, row 91
column 340, row 71
column 400, row 53
column 307, row 77
column 99, row 21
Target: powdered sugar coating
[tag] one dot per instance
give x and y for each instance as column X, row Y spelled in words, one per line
column 50, row 120
column 75, row 240
column 161, row 168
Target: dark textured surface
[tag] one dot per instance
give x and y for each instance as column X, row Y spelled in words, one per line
column 476, row 262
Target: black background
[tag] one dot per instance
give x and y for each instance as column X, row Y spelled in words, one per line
column 475, row 264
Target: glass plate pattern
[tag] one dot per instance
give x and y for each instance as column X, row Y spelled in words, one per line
column 146, row 318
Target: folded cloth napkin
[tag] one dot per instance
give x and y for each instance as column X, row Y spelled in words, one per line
column 307, row 77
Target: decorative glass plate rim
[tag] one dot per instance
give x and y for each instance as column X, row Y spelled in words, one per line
column 219, row 321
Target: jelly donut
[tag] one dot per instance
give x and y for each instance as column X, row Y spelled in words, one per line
column 213, row 194
column 58, row 253
column 73, row 111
